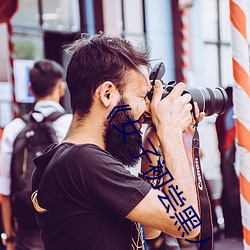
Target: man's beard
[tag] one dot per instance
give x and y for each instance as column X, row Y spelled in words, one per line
column 114, row 139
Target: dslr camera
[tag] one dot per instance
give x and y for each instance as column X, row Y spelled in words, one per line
column 210, row 101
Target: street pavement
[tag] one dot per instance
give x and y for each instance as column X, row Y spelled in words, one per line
column 221, row 244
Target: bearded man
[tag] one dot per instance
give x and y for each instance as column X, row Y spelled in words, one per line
column 84, row 196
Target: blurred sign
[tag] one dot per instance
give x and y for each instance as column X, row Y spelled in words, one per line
column 185, row 4
column 22, row 81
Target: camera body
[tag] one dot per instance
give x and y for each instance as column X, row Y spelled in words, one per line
column 210, row 101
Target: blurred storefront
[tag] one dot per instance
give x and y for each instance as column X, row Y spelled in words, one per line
column 192, row 38
column 42, row 27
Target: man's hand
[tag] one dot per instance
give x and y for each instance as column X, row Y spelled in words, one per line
column 172, row 114
column 199, row 115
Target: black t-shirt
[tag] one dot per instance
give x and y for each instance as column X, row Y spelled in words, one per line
column 88, row 194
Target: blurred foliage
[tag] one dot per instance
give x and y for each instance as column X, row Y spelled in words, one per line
column 27, row 48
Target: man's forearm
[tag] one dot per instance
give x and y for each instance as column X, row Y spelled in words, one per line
column 176, row 161
column 7, row 215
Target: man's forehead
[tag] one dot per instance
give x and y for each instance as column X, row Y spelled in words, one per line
column 145, row 74
column 138, row 80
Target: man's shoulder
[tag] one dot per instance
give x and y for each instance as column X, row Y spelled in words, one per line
column 80, row 151
column 16, row 122
column 70, row 157
column 13, row 128
column 98, row 160
column 91, row 150
column 87, row 158
column 93, row 155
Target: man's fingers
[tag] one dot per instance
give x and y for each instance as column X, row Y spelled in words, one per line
column 186, row 98
column 157, row 93
column 199, row 115
column 178, row 90
column 196, row 109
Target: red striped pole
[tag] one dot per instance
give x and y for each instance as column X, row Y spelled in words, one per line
column 241, row 95
column 185, row 55
column 15, row 106
column 185, row 65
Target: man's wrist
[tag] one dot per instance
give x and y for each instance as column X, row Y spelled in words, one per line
column 171, row 140
column 167, row 134
column 7, row 239
column 155, row 180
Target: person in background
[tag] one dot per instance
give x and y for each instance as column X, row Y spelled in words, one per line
column 225, row 126
column 47, row 86
column 210, row 162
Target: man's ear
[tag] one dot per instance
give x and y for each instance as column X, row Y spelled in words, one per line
column 31, row 90
column 106, row 91
column 62, row 88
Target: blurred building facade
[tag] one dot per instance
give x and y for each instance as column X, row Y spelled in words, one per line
column 42, row 27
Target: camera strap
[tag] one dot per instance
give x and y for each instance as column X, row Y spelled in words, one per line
column 206, row 234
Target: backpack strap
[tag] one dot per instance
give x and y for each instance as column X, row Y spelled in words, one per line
column 47, row 128
column 51, row 118
column 54, row 116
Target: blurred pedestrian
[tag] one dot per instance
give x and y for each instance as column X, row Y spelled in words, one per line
column 210, row 162
column 225, row 125
column 47, row 85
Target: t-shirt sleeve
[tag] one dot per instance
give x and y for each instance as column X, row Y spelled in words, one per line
column 108, row 184
column 10, row 133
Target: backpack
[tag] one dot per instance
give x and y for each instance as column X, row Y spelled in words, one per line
column 37, row 135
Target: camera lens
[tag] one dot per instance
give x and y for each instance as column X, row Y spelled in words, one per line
column 210, row 101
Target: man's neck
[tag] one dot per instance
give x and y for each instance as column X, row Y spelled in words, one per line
column 48, row 98
column 86, row 131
